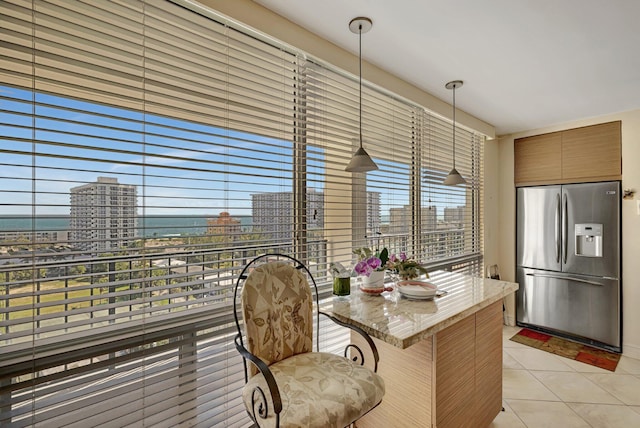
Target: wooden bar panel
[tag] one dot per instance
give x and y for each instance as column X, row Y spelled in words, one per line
column 407, row 378
column 488, row 364
column 455, row 383
column 450, row 380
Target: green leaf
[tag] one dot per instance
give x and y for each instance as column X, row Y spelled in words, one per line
column 384, row 256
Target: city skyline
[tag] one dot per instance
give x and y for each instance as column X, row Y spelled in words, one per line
column 103, row 216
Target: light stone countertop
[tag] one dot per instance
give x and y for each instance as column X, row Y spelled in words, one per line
column 402, row 322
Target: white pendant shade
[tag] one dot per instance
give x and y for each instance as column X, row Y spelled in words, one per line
column 361, row 161
column 454, row 178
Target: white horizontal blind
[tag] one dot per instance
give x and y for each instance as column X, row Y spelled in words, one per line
column 147, row 152
column 129, row 129
column 451, row 215
column 98, row 160
column 403, row 205
column 388, row 126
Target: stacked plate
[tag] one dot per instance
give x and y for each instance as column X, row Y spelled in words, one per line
column 415, row 289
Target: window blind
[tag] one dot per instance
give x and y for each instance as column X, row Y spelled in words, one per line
column 450, row 215
column 148, row 150
column 403, row 205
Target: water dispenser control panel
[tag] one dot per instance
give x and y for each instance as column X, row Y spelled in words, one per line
column 589, row 240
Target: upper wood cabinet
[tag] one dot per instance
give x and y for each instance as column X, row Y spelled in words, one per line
column 538, row 158
column 591, row 153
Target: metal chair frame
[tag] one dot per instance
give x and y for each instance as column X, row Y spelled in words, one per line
column 258, row 396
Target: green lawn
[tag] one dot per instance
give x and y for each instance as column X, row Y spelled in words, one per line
column 65, row 293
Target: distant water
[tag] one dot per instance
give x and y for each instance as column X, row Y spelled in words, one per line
column 148, row 226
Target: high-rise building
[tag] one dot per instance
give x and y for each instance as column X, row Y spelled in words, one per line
column 400, row 219
column 454, row 214
column 272, row 213
column 373, row 212
column 103, row 215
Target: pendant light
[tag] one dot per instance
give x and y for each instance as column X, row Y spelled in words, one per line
column 454, row 176
column 361, row 161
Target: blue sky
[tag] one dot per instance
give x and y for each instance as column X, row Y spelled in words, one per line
column 187, row 168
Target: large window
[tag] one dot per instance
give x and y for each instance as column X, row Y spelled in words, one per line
column 147, row 152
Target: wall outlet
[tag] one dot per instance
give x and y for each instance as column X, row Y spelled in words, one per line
column 638, row 206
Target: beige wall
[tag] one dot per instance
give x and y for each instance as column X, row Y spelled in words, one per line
column 499, row 223
column 502, row 173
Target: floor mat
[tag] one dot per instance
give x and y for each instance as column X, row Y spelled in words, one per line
column 568, row 349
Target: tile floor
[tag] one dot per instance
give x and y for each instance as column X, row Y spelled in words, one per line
column 542, row 390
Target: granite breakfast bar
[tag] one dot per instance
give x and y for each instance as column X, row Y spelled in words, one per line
column 441, row 359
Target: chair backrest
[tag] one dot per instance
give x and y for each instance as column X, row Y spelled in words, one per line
column 277, row 306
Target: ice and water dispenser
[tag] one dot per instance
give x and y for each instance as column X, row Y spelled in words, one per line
column 589, row 240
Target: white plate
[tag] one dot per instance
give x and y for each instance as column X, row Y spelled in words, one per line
column 417, row 289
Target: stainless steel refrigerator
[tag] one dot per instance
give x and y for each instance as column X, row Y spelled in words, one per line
column 568, row 261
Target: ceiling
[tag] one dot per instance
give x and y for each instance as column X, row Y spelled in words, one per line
column 525, row 64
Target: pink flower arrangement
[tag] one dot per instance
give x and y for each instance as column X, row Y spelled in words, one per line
column 370, row 262
column 365, row 267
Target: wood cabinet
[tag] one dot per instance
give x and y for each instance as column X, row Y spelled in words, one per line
column 538, row 158
column 590, row 153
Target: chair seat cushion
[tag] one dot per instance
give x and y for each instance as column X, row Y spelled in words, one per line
column 318, row 389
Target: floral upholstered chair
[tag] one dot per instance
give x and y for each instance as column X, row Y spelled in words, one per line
column 288, row 384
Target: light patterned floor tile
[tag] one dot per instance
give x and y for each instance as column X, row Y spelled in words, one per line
column 546, row 414
column 522, row 385
column 507, row 420
column 514, row 345
column 574, row 387
column 534, row 359
column 508, row 362
column 546, row 390
column 628, row 365
column 606, row 415
column 624, row 387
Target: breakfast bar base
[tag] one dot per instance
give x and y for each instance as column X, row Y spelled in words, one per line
column 451, row 379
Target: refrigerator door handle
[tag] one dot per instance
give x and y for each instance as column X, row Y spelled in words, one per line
column 557, row 227
column 569, row 278
column 565, row 227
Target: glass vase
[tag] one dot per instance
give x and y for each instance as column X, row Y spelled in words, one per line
column 342, row 286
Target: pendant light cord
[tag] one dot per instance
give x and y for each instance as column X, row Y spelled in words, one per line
column 360, row 161
column 454, row 176
column 360, row 73
column 454, row 126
